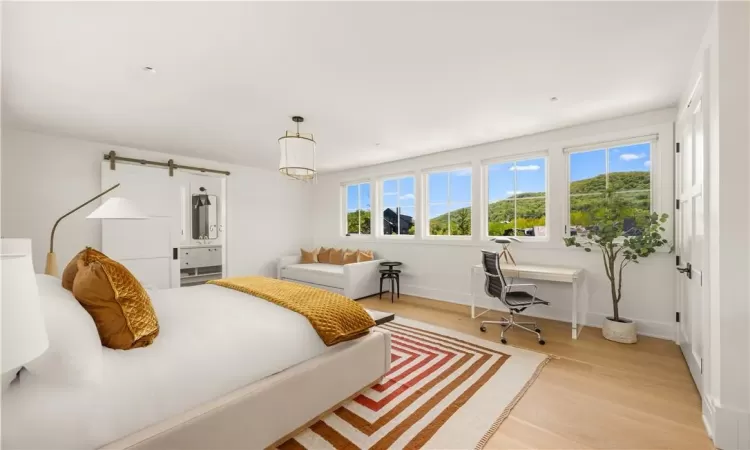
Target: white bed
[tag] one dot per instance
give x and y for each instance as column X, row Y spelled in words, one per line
column 219, row 374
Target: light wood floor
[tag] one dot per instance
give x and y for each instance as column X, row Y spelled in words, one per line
column 597, row 394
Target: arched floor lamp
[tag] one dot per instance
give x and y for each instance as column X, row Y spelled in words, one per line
column 113, row 208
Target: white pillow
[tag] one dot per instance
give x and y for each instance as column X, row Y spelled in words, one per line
column 74, row 355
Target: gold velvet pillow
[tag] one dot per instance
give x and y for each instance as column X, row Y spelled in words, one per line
column 117, row 302
column 364, row 255
column 350, row 256
column 69, row 274
column 324, row 255
column 337, row 256
column 308, row 257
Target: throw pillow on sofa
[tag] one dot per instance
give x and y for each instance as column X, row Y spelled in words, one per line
column 324, row 255
column 308, row 257
column 350, row 256
column 337, row 256
column 365, row 255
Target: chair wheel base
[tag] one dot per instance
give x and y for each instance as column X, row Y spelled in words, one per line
column 541, row 342
column 483, row 329
column 504, row 341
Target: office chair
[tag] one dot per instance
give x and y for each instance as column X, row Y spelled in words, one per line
column 516, row 300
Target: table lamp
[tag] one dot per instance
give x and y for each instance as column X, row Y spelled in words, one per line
column 113, row 208
column 24, row 336
column 505, row 242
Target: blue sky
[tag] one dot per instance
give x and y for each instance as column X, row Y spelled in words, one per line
column 504, row 179
column 621, row 159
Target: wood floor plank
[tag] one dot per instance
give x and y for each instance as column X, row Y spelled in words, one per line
column 595, row 394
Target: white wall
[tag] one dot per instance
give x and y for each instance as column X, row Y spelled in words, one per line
column 723, row 61
column 44, row 176
column 441, row 270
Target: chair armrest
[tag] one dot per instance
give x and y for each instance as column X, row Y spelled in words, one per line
column 286, row 261
column 522, row 284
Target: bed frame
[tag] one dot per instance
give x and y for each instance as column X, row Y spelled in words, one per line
column 268, row 411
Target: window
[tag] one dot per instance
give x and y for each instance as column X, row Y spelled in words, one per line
column 398, row 206
column 624, row 170
column 517, row 198
column 358, row 209
column 449, row 203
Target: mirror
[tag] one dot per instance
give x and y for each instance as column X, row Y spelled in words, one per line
column 205, row 217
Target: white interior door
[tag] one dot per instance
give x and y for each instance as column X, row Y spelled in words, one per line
column 145, row 247
column 690, row 232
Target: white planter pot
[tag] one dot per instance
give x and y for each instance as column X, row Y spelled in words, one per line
column 622, row 332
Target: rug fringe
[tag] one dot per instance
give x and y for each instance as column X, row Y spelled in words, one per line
column 506, row 412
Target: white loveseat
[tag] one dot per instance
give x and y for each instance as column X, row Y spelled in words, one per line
column 355, row 280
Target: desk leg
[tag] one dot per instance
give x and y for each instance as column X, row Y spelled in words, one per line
column 575, row 309
column 471, row 289
column 473, row 294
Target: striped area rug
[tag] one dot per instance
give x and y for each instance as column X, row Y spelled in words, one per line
column 445, row 390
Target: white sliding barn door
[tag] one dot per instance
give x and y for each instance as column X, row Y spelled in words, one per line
column 145, row 247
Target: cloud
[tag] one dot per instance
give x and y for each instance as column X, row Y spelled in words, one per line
column 462, row 173
column 407, row 197
column 525, row 167
column 512, row 193
column 632, row 156
column 647, row 163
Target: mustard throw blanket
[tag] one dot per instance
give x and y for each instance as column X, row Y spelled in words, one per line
column 335, row 318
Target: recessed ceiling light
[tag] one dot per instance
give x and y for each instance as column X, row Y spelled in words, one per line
column 149, row 69
column 553, row 99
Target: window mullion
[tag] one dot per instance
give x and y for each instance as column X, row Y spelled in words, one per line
column 398, row 207
column 606, row 169
column 448, row 204
column 515, row 198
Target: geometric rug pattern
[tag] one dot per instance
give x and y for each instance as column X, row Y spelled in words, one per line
column 444, row 390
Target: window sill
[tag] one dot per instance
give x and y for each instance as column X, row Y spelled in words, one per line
column 357, row 236
column 397, row 237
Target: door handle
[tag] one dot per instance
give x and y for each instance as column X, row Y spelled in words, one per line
column 687, row 270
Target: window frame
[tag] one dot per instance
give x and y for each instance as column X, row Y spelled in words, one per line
column 426, row 202
column 654, row 157
column 379, row 204
column 485, row 211
column 345, row 210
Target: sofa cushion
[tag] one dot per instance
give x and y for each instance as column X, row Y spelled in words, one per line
column 321, row 273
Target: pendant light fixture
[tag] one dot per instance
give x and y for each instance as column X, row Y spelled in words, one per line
column 297, row 154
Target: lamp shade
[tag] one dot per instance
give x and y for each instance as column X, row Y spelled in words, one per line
column 24, row 334
column 297, row 156
column 117, row 208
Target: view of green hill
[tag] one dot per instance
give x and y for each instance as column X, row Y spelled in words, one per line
column 586, row 196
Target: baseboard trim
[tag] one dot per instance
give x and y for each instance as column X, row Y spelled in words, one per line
column 661, row 330
column 709, row 415
column 731, row 428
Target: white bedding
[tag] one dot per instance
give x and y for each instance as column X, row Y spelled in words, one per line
column 212, row 340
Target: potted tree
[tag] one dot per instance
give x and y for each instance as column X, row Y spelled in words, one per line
column 624, row 234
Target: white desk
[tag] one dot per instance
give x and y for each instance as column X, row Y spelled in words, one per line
column 542, row 273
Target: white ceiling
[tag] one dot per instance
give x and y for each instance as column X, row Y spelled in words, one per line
column 414, row 77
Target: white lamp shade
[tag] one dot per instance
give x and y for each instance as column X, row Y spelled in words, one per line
column 117, row 208
column 24, row 334
column 297, row 156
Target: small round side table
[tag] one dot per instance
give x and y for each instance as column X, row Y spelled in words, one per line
column 389, row 273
